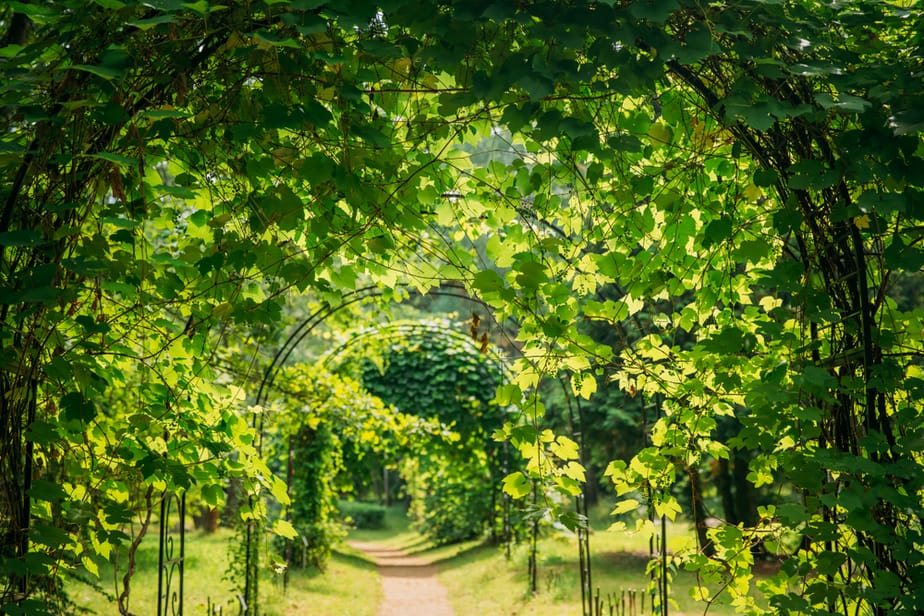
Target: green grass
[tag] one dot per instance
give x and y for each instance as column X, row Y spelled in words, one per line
column 349, row 586
column 480, row 579
column 206, row 558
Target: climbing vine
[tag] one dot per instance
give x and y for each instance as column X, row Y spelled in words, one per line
column 434, row 371
column 732, row 189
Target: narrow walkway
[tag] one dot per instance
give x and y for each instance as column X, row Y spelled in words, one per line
column 410, row 583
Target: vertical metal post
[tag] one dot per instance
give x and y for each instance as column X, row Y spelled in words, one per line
column 534, row 546
column 508, row 531
column 251, row 570
column 664, row 596
column 26, row 512
column 170, row 565
column 385, row 485
column 290, row 477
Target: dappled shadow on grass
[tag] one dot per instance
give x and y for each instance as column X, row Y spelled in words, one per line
column 319, row 582
column 623, row 559
column 415, row 545
column 354, row 559
column 465, row 554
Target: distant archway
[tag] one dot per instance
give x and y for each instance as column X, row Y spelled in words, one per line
column 301, row 331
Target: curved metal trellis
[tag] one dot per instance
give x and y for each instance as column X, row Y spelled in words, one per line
column 583, row 529
column 307, row 325
column 403, row 330
column 171, row 555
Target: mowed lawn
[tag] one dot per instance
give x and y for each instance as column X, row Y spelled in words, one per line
column 481, row 580
column 349, row 585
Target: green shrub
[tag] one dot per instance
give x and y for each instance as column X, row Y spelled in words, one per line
column 450, row 499
column 314, row 503
column 366, row 516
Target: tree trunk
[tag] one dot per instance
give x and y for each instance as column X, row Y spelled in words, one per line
column 723, row 483
column 699, row 512
column 745, row 506
column 208, row 519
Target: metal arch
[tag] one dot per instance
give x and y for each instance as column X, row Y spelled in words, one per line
column 301, row 332
column 395, row 329
column 307, row 325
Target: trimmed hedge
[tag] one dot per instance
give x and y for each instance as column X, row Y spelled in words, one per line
column 367, row 516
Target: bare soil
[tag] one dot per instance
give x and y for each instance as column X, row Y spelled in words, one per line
column 410, row 583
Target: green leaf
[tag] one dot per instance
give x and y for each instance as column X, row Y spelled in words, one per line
column 42, row 433
column 564, row 448
column 37, row 12
column 279, row 490
column 765, row 178
column 726, row 341
column 667, row 506
column 792, row 513
column 46, row 491
column 487, row 281
column 46, row 534
column 213, row 495
column 163, row 114
column 284, row 529
column 23, row 237
column 508, row 394
column 536, row 86
column 908, row 121
column 717, row 231
column 900, row 256
column 584, row 384
column 811, row 174
column 844, row 102
column 74, row 406
column 575, row 471
column 829, row 563
column 123, row 161
column 531, row 274
column 276, row 41
column 625, row 506
column 573, row 520
column 517, row 485
column 106, row 72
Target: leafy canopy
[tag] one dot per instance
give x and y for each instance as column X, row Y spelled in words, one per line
column 731, row 188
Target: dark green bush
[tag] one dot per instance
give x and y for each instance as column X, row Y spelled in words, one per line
column 450, row 499
column 368, row 516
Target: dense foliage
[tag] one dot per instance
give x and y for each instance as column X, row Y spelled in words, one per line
column 315, row 416
column 433, row 371
column 362, row 515
column 732, row 189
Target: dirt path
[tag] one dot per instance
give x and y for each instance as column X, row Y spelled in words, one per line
column 410, row 583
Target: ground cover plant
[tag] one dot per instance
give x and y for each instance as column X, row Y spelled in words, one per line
column 692, row 231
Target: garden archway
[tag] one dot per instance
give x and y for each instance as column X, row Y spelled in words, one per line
column 431, row 370
column 280, row 358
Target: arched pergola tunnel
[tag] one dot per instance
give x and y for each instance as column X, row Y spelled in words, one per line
column 451, row 378
column 395, row 331
column 303, row 329
column 401, row 331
